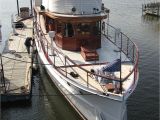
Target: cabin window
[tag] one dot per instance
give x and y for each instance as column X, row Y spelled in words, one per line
column 83, row 28
column 59, row 27
column 68, row 30
column 96, row 29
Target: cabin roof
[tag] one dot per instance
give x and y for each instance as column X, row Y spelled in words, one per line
column 97, row 16
column 70, row 6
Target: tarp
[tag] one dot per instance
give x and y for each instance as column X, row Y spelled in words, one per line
column 113, row 66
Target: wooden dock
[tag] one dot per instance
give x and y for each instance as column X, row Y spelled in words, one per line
column 151, row 9
column 17, row 66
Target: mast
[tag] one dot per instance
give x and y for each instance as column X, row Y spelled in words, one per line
column 31, row 7
column 18, row 7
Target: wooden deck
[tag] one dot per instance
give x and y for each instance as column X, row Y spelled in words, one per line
column 17, row 63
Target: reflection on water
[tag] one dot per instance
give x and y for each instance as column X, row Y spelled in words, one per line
column 55, row 100
column 47, row 103
column 150, row 18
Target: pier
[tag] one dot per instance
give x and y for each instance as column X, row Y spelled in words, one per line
column 151, row 9
column 16, row 66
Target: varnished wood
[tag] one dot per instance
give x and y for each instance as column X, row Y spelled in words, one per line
column 77, row 65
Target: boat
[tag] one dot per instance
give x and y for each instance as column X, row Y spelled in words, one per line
column 93, row 64
column 151, row 9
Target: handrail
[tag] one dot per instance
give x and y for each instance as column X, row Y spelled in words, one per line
column 136, row 64
column 135, row 47
column 39, row 29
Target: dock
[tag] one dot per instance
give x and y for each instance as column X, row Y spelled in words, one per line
column 151, row 9
column 16, row 66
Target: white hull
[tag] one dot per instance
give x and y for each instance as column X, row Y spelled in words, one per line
column 91, row 106
column 81, row 81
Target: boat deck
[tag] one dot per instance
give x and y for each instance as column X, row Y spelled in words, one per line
column 17, row 63
column 107, row 53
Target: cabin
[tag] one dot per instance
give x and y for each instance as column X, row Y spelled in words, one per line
column 77, row 28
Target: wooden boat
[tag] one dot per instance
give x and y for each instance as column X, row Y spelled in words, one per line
column 94, row 65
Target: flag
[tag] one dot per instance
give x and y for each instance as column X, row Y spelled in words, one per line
column 113, row 66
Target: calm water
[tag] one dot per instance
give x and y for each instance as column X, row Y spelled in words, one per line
column 142, row 105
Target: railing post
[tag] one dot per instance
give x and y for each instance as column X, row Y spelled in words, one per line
column 133, row 53
column 104, row 28
column 121, row 41
column 65, row 65
column 87, row 80
column 121, row 66
column 120, row 72
column 107, row 30
column 54, row 59
column 127, row 45
column 135, row 75
column 40, row 40
column 47, row 49
column 115, row 36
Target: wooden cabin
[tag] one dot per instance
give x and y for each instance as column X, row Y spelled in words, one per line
column 76, row 29
column 72, row 33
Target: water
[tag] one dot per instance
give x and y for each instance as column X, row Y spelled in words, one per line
column 47, row 104
column 145, row 31
column 143, row 103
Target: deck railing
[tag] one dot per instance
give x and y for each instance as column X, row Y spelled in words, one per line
column 125, row 45
column 121, row 41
